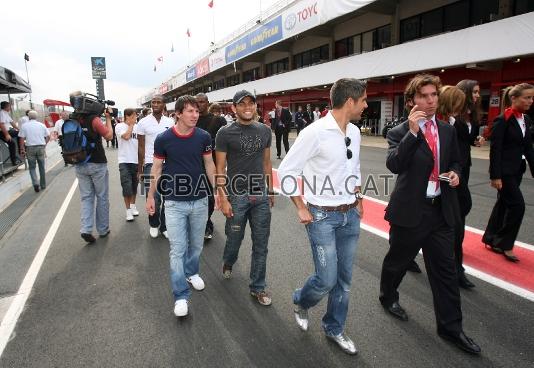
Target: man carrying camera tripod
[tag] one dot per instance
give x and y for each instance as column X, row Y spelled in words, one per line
column 93, row 176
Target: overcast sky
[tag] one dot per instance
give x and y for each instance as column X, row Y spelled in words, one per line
column 60, row 36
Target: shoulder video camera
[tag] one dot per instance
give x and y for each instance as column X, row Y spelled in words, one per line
column 86, row 103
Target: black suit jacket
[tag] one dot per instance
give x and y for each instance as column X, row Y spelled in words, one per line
column 508, row 146
column 285, row 118
column 465, row 140
column 411, row 158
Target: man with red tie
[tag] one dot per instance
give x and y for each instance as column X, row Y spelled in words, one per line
column 423, row 152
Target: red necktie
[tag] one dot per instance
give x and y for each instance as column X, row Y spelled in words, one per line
column 431, row 139
column 511, row 111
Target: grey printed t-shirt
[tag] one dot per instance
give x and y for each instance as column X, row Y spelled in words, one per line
column 244, row 146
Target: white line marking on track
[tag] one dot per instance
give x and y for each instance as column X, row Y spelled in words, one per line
column 524, row 293
column 19, row 301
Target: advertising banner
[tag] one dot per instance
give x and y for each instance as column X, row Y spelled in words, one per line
column 264, row 36
column 300, row 17
column 217, row 60
column 202, row 67
column 191, row 74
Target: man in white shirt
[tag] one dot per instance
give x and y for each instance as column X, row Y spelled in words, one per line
column 33, row 138
column 316, row 114
column 9, row 131
column 128, row 148
column 148, row 129
column 327, row 154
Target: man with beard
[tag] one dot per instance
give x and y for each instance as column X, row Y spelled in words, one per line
column 248, row 193
column 211, row 124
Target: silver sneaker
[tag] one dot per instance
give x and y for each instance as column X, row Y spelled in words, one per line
column 301, row 316
column 344, row 342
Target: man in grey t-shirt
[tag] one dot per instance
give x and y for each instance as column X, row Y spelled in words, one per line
column 246, row 192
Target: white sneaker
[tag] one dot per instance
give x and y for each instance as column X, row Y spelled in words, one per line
column 180, row 308
column 129, row 215
column 154, row 232
column 197, row 282
column 134, row 210
column 165, row 234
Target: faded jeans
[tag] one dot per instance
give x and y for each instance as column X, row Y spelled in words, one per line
column 36, row 155
column 186, row 222
column 257, row 211
column 93, row 182
column 333, row 238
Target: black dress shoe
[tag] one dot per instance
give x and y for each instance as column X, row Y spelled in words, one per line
column 511, row 258
column 464, row 282
column 105, row 234
column 397, row 311
column 463, row 342
column 414, row 267
column 88, row 237
column 36, row 188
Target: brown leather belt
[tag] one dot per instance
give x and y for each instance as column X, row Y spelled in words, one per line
column 340, row 208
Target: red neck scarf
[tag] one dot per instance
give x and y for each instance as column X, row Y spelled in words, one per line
column 511, row 111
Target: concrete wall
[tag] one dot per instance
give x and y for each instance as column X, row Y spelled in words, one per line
column 361, row 24
column 308, row 43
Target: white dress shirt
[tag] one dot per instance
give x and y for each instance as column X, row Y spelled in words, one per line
column 431, row 187
column 320, row 155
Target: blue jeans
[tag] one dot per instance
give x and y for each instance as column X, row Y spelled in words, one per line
column 93, row 182
column 187, row 222
column 36, row 155
column 257, row 211
column 333, row 237
column 158, row 218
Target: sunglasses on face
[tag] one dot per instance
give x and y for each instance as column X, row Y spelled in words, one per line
column 347, row 144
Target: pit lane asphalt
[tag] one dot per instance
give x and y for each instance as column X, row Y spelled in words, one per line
column 110, row 304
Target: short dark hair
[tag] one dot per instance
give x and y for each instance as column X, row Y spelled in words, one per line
column 27, row 111
column 129, row 111
column 3, row 104
column 159, row 97
column 346, row 88
column 202, row 95
column 184, row 100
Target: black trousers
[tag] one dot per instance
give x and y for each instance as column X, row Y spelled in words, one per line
column 12, row 145
column 465, row 203
column 281, row 133
column 507, row 214
column 436, row 239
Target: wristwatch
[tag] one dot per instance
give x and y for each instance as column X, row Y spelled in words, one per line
column 359, row 195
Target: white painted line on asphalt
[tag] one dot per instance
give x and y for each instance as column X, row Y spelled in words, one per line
column 468, row 228
column 17, row 305
column 524, row 293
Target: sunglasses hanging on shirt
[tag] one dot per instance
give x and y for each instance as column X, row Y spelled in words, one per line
column 347, row 144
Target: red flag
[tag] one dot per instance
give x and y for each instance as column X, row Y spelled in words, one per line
column 188, row 33
column 160, row 59
column 210, row 4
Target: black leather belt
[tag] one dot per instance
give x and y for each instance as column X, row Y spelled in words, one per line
column 340, row 208
column 434, row 201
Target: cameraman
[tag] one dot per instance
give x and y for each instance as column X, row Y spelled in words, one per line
column 93, row 176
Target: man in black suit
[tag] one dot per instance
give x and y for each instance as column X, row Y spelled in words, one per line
column 421, row 210
column 281, row 126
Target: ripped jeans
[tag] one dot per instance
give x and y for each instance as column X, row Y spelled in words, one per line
column 257, row 211
column 333, row 238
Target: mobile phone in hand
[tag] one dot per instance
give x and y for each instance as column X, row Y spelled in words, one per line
column 444, row 178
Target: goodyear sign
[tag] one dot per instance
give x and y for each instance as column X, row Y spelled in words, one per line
column 264, row 36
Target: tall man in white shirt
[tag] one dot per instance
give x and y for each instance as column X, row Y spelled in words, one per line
column 33, row 138
column 327, row 154
column 148, row 129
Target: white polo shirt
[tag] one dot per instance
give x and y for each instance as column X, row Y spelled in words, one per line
column 34, row 132
column 320, row 154
column 150, row 128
